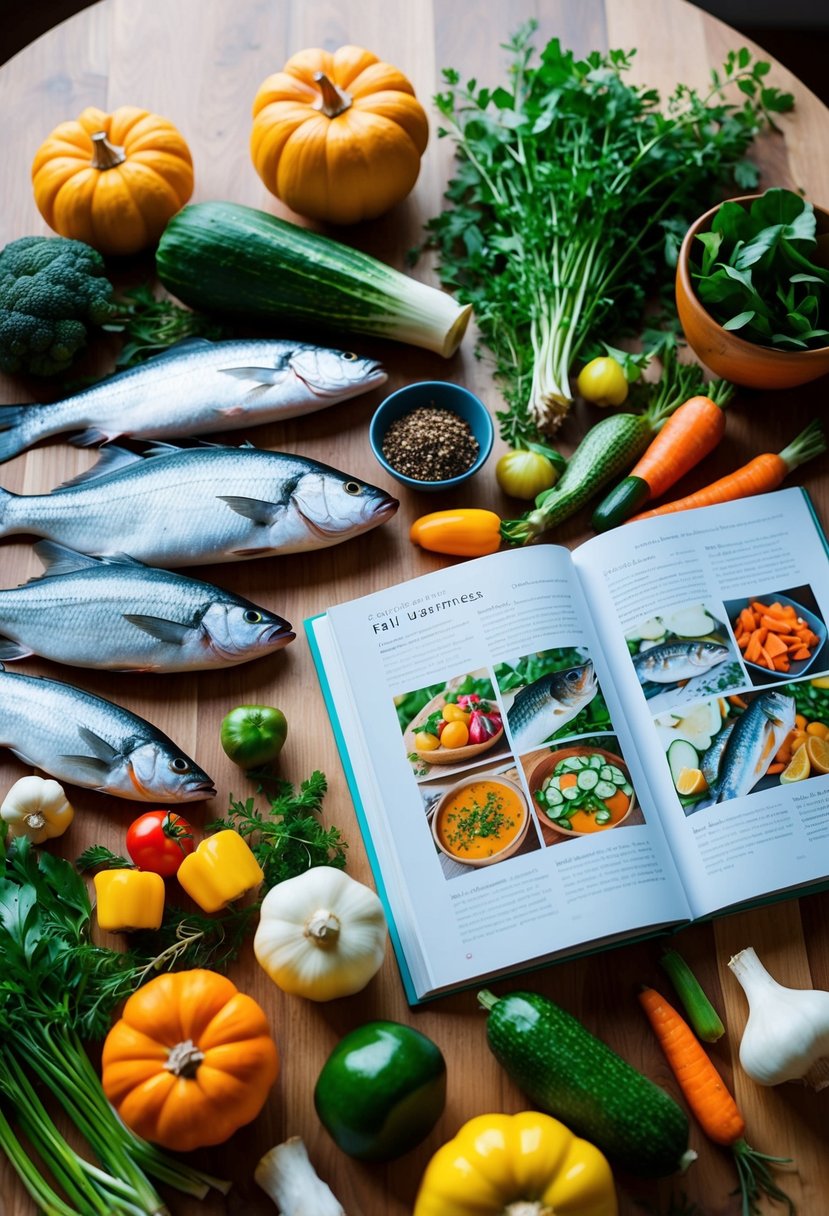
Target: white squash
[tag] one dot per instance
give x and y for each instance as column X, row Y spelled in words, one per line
column 321, row 935
column 36, row 808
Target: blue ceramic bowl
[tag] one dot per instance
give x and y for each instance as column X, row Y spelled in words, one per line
column 440, row 394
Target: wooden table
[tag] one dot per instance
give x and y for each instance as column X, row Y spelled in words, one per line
column 199, row 62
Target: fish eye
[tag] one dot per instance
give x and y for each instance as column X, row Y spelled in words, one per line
column 572, row 676
column 179, row 765
column 352, row 487
column 349, row 356
column 252, row 617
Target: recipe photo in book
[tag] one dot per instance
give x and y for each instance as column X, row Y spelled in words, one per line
column 552, row 752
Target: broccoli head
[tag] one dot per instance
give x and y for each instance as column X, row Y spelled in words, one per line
column 51, row 289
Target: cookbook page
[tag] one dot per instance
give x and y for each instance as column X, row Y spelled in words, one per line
column 716, row 636
column 492, row 768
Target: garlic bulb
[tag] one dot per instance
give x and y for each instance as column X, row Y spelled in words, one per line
column 36, row 808
column 787, row 1034
column 321, row 935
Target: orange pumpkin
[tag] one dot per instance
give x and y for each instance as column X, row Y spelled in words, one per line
column 190, row 1061
column 112, row 180
column 338, row 137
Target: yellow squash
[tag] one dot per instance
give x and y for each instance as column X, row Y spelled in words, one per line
column 500, row 1165
column 190, row 1061
column 459, row 531
column 338, row 136
column 112, row 180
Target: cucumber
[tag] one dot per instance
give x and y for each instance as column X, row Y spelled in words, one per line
column 681, row 754
column 571, row 792
column 568, row 1072
column 605, row 789
column 554, row 796
column 587, row 779
column 233, row 260
column 620, row 503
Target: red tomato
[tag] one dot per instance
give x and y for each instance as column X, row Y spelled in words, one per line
column 159, row 841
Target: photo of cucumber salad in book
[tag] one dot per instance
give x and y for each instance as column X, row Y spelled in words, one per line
column 651, row 700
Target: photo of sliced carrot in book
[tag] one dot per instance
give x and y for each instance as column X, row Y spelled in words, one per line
column 779, row 635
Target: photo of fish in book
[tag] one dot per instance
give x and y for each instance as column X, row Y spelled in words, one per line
column 551, row 694
column 781, row 634
column 728, row 747
column 684, row 654
column 451, row 724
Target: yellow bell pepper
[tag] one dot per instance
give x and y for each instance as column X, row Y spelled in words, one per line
column 222, row 868
column 529, row 1160
column 461, row 532
column 129, row 899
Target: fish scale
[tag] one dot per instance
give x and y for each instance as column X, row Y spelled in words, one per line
column 176, row 506
column 197, row 387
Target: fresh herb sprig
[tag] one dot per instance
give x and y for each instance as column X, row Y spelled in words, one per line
column 150, row 324
column 572, row 191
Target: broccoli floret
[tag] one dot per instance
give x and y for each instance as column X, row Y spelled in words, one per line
column 51, row 289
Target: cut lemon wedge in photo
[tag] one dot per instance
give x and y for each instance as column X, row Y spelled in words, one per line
column 799, row 767
column 690, row 781
column 817, row 750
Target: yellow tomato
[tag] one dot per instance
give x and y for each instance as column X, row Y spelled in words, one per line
column 454, row 713
column 424, row 742
column 455, row 734
column 603, row 382
column 524, row 474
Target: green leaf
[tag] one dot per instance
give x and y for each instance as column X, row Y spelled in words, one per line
column 741, row 319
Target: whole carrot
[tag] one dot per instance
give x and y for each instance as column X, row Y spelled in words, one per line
column 763, row 473
column 686, row 438
column 711, row 1103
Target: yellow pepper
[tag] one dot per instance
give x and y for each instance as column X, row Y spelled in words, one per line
column 498, row 1164
column 223, row 868
column 129, row 899
column 463, row 532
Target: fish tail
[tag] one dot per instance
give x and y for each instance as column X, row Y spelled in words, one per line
column 6, row 498
column 15, row 431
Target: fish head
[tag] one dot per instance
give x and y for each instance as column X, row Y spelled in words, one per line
column 158, row 772
column 335, row 373
column 333, row 506
column 241, row 630
column 574, row 685
column 708, row 654
column 780, row 709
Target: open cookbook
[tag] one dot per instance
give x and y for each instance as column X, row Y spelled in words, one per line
column 551, row 752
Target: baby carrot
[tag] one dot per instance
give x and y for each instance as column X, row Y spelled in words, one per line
column 763, row 473
column 710, row 1101
column 685, row 439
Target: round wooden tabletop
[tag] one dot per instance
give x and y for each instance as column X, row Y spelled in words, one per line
column 199, row 62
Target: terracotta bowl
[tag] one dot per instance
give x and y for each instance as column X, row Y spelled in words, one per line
column 510, row 848
column 545, row 766
column 726, row 354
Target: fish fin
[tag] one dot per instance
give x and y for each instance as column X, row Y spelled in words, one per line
column 109, row 461
column 101, row 749
column 255, row 509
column 260, row 375
column 91, row 436
column 10, row 649
column 12, row 423
column 60, row 559
column 157, row 627
column 87, row 767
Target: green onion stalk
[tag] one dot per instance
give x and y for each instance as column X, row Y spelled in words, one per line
column 572, row 192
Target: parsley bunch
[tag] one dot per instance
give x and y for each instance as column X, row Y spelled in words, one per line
column 572, row 191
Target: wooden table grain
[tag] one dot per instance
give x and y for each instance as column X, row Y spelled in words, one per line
column 199, row 62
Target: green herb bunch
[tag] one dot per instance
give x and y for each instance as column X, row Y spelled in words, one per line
column 572, row 191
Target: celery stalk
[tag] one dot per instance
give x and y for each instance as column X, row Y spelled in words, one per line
column 701, row 1013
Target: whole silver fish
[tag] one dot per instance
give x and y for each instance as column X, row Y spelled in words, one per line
column 186, row 506
column 77, row 737
column 543, row 707
column 120, row 615
column 713, row 755
column 196, row 388
column 672, row 661
column 752, row 744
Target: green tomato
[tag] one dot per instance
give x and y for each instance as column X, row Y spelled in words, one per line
column 381, row 1091
column 253, row 734
column 603, row 382
column 524, row 474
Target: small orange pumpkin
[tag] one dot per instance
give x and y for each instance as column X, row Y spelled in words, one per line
column 190, row 1061
column 112, row 180
column 338, row 136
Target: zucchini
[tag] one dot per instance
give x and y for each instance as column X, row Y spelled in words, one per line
column 620, row 503
column 568, row 1072
column 236, row 261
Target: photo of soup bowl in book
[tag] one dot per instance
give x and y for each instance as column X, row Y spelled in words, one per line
column 481, row 819
column 578, row 791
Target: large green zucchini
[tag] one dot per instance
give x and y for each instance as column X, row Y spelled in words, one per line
column 236, row 261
